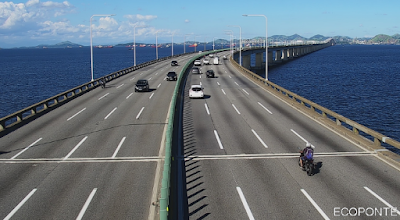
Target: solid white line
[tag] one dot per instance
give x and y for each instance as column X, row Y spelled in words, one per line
column 219, row 141
column 26, row 149
column 139, row 113
column 245, row 92
column 223, row 91
column 129, row 95
column 119, row 147
column 208, row 112
column 86, row 205
column 265, row 108
column 120, row 86
column 382, row 200
column 236, row 109
column 19, row 205
column 104, row 96
column 75, row 148
column 246, row 206
column 76, row 114
column 110, row 113
column 159, row 85
column 262, row 142
column 151, row 95
column 315, row 204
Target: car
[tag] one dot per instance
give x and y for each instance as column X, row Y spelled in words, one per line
column 171, row 76
column 174, row 63
column 206, row 62
column 195, row 70
column 210, row 74
column 197, row 63
column 196, row 91
column 211, row 55
column 142, row 85
column 225, row 58
column 216, row 60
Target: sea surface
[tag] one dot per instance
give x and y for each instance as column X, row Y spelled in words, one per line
column 359, row 82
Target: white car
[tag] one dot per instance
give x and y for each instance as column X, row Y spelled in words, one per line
column 206, row 62
column 196, row 91
column 197, row 63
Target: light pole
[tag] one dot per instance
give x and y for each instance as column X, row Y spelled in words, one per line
column 134, row 45
column 213, row 43
column 266, row 42
column 240, row 43
column 172, row 52
column 91, row 41
column 156, row 46
column 230, row 40
column 195, row 45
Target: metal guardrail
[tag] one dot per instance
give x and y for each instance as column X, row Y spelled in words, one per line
column 338, row 120
column 36, row 110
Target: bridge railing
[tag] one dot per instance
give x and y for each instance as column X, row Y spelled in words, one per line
column 335, row 120
column 27, row 114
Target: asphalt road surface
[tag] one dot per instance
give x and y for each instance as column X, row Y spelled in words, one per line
column 240, row 151
column 96, row 157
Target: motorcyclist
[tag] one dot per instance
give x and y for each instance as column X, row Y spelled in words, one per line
column 306, row 154
column 103, row 82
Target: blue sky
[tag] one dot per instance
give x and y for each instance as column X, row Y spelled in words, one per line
column 34, row 22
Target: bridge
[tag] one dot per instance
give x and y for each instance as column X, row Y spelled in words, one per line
column 93, row 153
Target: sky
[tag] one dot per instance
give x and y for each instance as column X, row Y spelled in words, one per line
column 35, row 22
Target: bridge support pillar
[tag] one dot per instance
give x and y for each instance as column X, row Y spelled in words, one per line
column 270, row 57
column 278, row 56
column 259, row 60
column 285, row 54
column 246, row 62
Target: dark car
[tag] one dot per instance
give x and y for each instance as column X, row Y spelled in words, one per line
column 210, row 74
column 142, row 85
column 196, row 70
column 174, row 63
column 171, row 76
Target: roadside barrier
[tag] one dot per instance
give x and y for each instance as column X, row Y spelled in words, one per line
column 24, row 116
column 357, row 132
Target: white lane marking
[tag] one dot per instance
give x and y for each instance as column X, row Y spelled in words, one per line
column 218, row 83
column 229, row 75
column 208, row 112
column 236, row 83
column 258, row 137
column 200, row 76
column 219, row 141
column 245, row 92
column 159, row 85
column 141, row 73
column 150, row 78
column 201, row 84
column 139, row 113
column 119, row 147
column 393, row 209
column 156, row 73
column 76, row 114
column 110, row 113
column 20, row 205
column 246, row 206
column 151, row 95
column 12, row 158
column 120, row 86
column 235, row 109
column 301, row 137
column 86, row 205
column 265, row 108
column 315, row 205
column 104, row 96
column 132, row 78
column 129, row 95
column 223, row 91
column 75, row 148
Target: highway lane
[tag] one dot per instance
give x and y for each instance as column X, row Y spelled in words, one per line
column 255, row 173
column 92, row 158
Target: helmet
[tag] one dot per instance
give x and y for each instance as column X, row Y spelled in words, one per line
column 308, row 144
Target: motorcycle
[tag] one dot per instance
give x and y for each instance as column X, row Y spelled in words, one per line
column 102, row 83
column 308, row 165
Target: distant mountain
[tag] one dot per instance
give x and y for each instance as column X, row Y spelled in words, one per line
column 65, row 44
column 385, row 39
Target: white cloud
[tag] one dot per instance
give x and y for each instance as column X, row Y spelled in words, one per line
column 187, row 21
column 139, row 17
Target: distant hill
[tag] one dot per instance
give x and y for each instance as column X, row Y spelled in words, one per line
column 385, row 39
column 65, row 44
